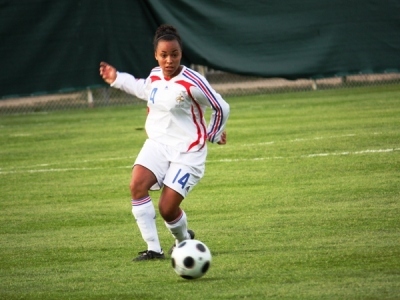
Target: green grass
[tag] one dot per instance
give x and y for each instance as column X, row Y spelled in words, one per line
column 302, row 203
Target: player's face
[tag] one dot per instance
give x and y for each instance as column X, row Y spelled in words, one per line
column 169, row 54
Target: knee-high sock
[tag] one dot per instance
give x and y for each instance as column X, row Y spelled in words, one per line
column 145, row 215
column 178, row 228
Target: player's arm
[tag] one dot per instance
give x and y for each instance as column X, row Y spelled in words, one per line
column 123, row 81
column 220, row 112
column 219, row 117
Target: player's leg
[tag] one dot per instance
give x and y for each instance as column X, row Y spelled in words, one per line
column 142, row 206
column 174, row 217
column 147, row 174
column 179, row 180
column 144, row 212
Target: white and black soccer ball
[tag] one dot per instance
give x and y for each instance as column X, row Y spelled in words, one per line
column 191, row 259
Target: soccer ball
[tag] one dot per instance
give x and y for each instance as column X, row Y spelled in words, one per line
column 191, row 259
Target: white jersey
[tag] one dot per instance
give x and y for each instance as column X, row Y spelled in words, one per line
column 176, row 108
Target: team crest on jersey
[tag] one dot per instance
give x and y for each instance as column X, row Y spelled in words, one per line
column 180, row 99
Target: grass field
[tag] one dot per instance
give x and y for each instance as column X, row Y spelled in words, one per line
column 302, row 203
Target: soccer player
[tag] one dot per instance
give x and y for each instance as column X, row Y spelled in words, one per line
column 173, row 156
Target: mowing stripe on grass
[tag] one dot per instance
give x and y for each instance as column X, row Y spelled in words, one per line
column 370, row 151
column 304, row 140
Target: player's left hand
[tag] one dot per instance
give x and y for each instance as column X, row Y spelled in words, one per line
column 222, row 141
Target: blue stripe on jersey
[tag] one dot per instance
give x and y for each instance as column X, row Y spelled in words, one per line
column 211, row 98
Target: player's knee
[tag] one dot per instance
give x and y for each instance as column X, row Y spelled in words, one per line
column 132, row 186
column 169, row 213
column 163, row 212
column 137, row 188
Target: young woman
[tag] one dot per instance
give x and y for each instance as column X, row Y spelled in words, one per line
column 174, row 155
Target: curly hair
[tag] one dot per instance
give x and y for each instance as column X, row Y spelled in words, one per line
column 166, row 32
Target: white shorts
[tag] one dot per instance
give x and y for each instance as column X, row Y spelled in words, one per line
column 180, row 171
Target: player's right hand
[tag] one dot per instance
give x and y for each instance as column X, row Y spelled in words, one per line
column 108, row 72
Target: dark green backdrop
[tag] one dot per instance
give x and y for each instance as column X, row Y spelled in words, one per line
column 48, row 46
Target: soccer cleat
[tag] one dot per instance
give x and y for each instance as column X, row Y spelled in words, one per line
column 191, row 233
column 149, row 255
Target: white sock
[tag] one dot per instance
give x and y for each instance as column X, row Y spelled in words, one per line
column 178, row 228
column 145, row 215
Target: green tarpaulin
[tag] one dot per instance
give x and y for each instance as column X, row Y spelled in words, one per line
column 48, row 46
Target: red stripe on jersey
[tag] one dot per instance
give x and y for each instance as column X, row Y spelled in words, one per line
column 201, row 128
column 199, row 134
column 186, row 85
column 214, row 102
column 154, row 78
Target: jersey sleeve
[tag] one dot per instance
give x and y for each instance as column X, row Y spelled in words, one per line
column 131, row 85
column 204, row 94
